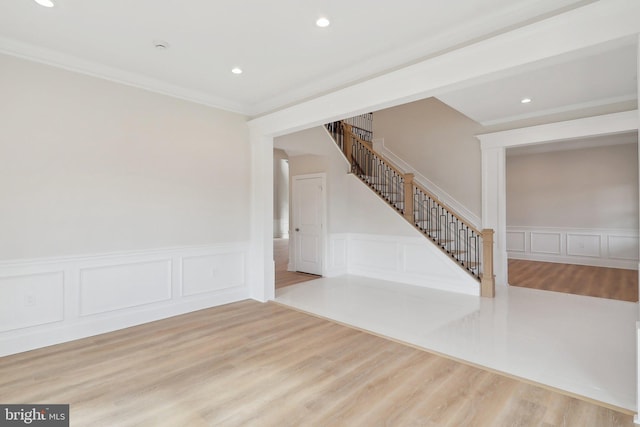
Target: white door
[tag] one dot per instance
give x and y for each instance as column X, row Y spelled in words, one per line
column 308, row 212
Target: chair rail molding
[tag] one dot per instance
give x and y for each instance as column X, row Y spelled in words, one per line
column 49, row 301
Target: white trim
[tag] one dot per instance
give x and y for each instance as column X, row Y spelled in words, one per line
column 613, row 248
column 54, row 300
column 337, row 255
column 94, row 69
column 493, row 147
column 563, row 109
column 262, row 274
column 441, row 195
column 636, row 417
column 562, row 34
column 608, row 124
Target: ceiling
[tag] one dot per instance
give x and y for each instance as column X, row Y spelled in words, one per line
column 598, row 77
column 286, row 58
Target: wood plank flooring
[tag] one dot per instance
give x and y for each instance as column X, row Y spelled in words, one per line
column 253, row 364
column 612, row 283
column 281, row 257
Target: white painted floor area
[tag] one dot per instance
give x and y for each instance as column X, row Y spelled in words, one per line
column 582, row 345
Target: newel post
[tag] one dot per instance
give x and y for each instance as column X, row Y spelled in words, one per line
column 408, row 197
column 347, row 141
column 488, row 281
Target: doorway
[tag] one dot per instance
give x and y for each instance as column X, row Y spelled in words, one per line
column 572, row 212
column 308, row 215
column 494, row 146
column 286, row 273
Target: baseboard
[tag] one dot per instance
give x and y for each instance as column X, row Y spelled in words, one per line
column 50, row 301
column 612, row 248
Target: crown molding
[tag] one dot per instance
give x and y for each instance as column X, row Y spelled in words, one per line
column 71, row 63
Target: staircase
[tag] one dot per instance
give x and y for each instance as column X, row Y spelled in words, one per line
column 470, row 248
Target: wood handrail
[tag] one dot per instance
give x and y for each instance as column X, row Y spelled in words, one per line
column 347, row 130
column 486, row 274
column 369, row 147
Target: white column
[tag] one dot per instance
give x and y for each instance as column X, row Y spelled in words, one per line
column 261, row 267
column 636, row 419
column 494, row 207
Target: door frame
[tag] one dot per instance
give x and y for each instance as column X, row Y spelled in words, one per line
column 323, row 215
column 493, row 148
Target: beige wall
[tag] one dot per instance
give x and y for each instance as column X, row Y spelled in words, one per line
column 280, row 193
column 583, row 188
column 313, row 151
column 89, row 166
column 352, row 207
column 439, row 143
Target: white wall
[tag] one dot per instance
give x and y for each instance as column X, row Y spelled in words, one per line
column 575, row 206
column 313, row 151
column 437, row 142
column 280, row 193
column 119, row 206
column 89, row 166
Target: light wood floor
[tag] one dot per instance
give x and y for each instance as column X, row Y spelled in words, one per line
column 612, row 283
column 281, row 257
column 253, row 364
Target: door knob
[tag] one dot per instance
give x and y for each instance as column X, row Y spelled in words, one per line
column 297, row 229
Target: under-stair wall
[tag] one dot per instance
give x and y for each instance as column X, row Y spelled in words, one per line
column 382, row 244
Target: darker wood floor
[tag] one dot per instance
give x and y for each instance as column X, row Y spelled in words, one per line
column 611, row 283
column 281, row 257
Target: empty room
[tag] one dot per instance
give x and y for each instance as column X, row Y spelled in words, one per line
column 247, row 213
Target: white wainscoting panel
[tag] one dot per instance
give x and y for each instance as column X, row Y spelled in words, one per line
column 119, row 286
column 411, row 260
column 516, row 241
column 545, row 243
column 31, row 300
column 374, row 252
column 596, row 247
column 54, row 300
column 210, row 273
column 337, row 255
column 583, row 245
column 622, row 247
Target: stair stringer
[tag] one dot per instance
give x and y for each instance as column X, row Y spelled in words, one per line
column 383, row 245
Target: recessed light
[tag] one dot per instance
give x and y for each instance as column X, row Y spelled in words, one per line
column 323, row 22
column 45, row 3
column 236, row 70
column 525, row 100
